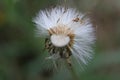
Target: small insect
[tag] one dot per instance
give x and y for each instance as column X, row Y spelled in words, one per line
column 65, row 37
column 78, row 20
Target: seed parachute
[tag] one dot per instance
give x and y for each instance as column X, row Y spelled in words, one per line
column 68, row 33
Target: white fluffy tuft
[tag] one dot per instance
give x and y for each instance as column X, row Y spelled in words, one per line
column 84, row 32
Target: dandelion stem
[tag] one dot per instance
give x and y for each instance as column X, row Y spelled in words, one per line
column 74, row 75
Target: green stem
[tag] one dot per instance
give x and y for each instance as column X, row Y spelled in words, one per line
column 74, row 75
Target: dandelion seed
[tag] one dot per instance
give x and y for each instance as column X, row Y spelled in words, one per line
column 67, row 34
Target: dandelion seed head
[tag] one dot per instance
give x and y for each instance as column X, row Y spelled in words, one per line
column 69, row 33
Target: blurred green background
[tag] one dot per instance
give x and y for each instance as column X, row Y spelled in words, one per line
column 22, row 54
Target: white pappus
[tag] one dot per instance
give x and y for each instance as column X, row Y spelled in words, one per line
column 68, row 33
